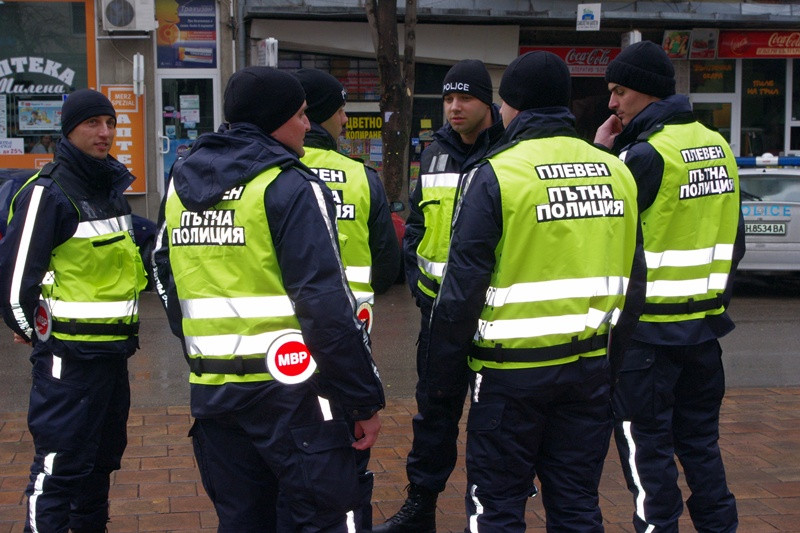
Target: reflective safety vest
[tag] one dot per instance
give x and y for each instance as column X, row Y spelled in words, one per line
column 690, row 229
column 439, row 184
column 565, row 256
column 347, row 179
column 90, row 292
column 229, row 284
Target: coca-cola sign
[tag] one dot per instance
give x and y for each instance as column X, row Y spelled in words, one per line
column 581, row 60
column 758, row 44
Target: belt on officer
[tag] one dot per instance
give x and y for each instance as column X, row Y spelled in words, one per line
column 73, row 327
column 238, row 365
column 683, row 308
column 500, row 354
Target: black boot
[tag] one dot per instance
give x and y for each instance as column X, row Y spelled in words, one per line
column 417, row 515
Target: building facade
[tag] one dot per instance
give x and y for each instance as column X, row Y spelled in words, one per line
column 164, row 63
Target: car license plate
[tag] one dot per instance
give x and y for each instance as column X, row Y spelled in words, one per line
column 762, row 228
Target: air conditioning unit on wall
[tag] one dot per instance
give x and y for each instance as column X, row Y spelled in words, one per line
column 129, row 15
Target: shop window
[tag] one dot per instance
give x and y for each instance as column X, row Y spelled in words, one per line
column 763, row 106
column 715, row 115
column 37, row 69
column 359, row 76
column 712, row 76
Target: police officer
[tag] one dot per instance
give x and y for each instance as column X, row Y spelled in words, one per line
column 248, row 266
column 367, row 239
column 70, row 278
column 473, row 126
column 540, row 272
column 671, row 387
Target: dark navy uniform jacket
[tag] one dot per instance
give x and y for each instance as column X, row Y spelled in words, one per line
column 101, row 183
column 309, row 263
column 647, row 167
column 461, row 158
column 459, row 304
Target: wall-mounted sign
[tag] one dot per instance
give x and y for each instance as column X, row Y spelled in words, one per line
column 187, row 34
column 758, row 44
column 588, row 17
column 704, row 43
column 582, row 61
column 129, row 142
column 676, row 43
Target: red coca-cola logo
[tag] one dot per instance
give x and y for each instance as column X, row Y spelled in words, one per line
column 596, row 56
column 784, row 40
column 738, row 45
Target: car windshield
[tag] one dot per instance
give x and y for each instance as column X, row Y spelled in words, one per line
column 770, row 188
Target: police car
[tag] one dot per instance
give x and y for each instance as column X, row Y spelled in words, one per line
column 771, row 209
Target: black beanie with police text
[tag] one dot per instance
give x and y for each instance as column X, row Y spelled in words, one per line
column 536, row 79
column 83, row 104
column 264, row 96
column 643, row 67
column 324, row 93
column 469, row 77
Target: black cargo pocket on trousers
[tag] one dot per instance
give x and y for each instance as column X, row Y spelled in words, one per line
column 199, row 443
column 634, row 393
column 328, row 464
column 486, row 440
column 58, row 413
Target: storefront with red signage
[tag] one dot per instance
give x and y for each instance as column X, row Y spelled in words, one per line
column 746, row 84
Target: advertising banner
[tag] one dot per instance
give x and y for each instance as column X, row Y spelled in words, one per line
column 582, row 61
column 129, row 142
column 758, row 44
column 187, row 33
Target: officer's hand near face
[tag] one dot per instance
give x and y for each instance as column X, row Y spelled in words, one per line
column 366, row 432
column 608, row 131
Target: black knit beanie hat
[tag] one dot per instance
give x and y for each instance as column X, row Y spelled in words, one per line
column 83, row 104
column 324, row 93
column 264, row 96
column 643, row 67
column 470, row 77
column 536, row 79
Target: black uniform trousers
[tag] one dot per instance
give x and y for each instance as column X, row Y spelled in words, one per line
column 434, row 448
column 77, row 416
column 667, row 403
column 282, row 443
column 557, row 427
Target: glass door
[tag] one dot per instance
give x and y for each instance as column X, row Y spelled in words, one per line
column 188, row 107
column 719, row 113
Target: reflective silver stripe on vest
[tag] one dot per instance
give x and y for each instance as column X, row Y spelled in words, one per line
column 358, row 274
column 549, row 325
column 221, row 345
column 689, row 258
column 431, row 267
column 244, row 307
column 78, row 310
column 97, row 228
column 540, row 291
column 687, row 287
column 441, row 179
column 21, row 263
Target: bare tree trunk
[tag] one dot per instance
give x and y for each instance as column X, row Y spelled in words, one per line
column 397, row 87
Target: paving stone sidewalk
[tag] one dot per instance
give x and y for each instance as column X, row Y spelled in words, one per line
column 158, row 488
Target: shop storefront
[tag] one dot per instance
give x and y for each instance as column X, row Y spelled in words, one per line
column 160, row 62
column 750, row 90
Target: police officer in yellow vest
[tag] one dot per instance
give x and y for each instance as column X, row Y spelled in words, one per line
column 541, row 271
column 370, row 252
column 249, row 271
column 473, row 126
column 672, row 383
column 70, row 278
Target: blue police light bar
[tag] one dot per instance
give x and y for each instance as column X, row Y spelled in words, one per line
column 768, row 160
